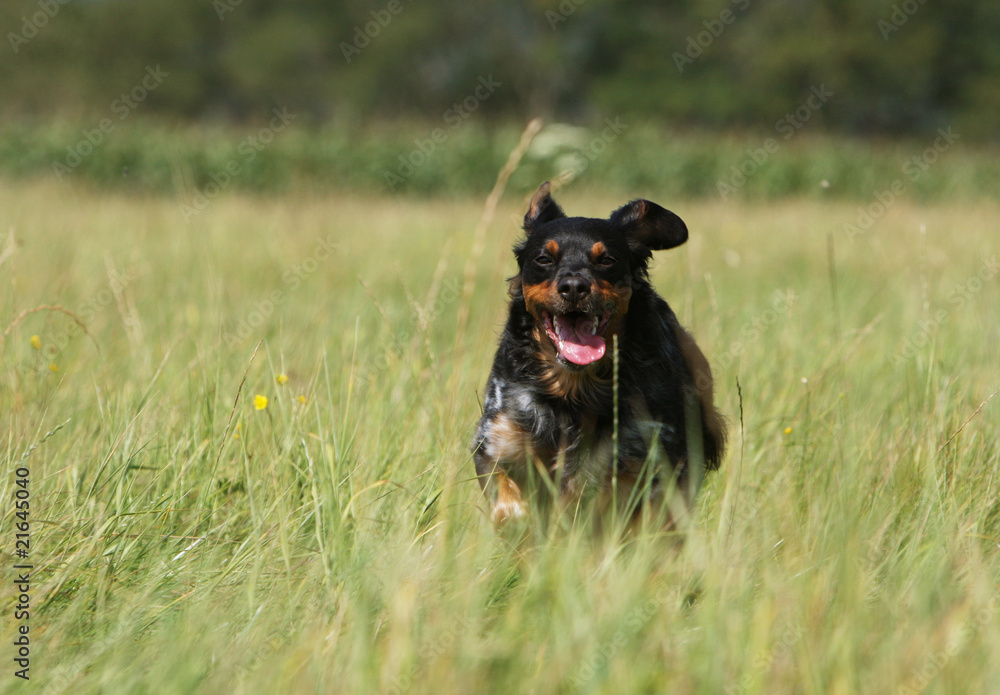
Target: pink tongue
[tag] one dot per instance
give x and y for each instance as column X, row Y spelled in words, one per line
column 579, row 347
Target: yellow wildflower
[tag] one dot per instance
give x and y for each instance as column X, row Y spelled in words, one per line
column 788, row 430
column 54, row 367
column 259, row 402
column 302, row 399
column 36, row 342
column 282, row 379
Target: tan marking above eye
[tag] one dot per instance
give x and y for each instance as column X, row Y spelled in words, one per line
column 552, row 246
column 597, row 250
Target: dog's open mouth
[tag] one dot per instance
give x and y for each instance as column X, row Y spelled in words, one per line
column 578, row 336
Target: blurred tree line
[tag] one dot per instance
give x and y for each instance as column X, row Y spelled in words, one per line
column 892, row 66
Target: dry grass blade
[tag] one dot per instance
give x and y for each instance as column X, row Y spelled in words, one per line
column 47, row 307
column 959, row 430
column 8, row 252
column 236, row 401
column 41, row 441
column 489, row 212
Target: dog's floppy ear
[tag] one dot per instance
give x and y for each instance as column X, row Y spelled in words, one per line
column 648, row 224
column 542, row 209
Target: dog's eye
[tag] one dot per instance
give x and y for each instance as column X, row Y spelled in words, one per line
column 606, row 261
column 543, row 260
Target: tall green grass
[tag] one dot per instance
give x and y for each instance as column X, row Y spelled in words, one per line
column 335, row 541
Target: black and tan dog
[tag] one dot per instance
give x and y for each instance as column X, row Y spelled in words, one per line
column 582, row 286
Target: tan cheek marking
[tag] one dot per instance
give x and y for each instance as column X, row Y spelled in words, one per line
column 536, row 296
column 618, row 295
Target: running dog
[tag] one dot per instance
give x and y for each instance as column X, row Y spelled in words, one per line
column 586, row 332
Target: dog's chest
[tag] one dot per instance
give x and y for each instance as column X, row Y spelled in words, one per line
column 525, row 426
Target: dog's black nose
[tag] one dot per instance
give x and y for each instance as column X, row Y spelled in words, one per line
column 573, row 288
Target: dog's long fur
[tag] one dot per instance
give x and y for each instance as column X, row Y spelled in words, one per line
column 543, row 412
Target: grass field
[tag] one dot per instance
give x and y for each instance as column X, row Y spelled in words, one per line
column 335, row 541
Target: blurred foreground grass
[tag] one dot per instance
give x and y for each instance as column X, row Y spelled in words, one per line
column 334, row 540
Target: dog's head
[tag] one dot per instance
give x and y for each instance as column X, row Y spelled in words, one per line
column 577, row 273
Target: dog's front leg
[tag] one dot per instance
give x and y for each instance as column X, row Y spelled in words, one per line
column 506, row 501
column 507, row 504
column 501, row 442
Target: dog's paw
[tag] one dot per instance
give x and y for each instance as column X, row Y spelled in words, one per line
column 508, row 505
column 504, row 512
